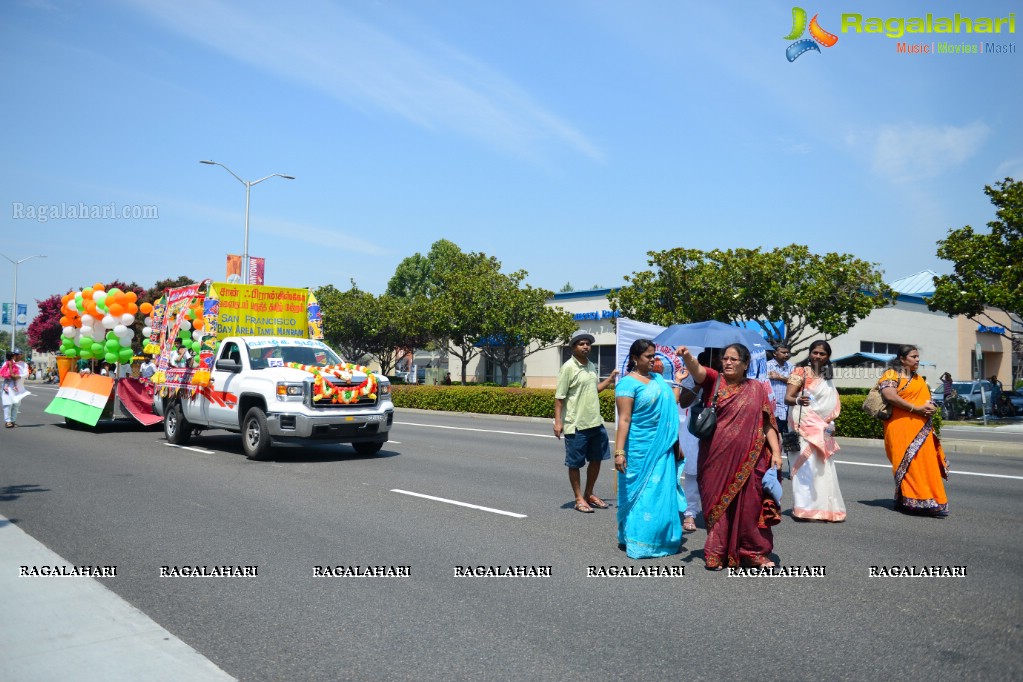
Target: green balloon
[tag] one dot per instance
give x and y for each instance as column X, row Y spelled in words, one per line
column 196, row 346
column 70, row 352
column 112, row 345
column 85, row 354
column 110, row 357
column 111, row 336
column 97, row 348
column 125, row 355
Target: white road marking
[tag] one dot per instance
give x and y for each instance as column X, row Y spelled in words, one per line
column 185, row 447
column 540, row 435
column 964, row 473
column 466, row 428
column 460, row 504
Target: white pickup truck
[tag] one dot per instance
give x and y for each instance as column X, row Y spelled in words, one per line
column 253, row 391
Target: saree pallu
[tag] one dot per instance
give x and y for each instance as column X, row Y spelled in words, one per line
column 815, row 492
column 730, row 474
column 918, row 461
column 648, row 497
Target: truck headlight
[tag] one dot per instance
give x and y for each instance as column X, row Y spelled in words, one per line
column 287, row 391
column 384, row 388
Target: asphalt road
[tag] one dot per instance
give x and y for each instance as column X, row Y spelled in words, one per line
column 124, row 497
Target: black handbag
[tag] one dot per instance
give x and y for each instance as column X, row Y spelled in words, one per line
column 790, row 439
column 703, row 419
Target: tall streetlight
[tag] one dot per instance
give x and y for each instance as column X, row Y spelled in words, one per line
column 14, row 306
column 248, row 187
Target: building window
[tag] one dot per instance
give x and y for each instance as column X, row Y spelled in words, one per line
column 492, row 372
column 879, row 347
column 601, row 356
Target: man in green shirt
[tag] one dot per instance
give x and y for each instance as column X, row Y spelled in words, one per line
column 577, row 416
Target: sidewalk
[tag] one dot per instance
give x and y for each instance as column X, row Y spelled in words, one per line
column 74, row 628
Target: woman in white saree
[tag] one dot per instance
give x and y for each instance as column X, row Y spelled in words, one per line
column 815, row 492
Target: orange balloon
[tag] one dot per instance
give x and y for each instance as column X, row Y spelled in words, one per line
column 65, row 321
column 146, row 308
column 131, row 296
column 132, row 309
column 197, row 323
column 66, row 297
column 98, row 287
column 115, row 309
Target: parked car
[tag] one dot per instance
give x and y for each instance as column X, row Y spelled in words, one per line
column 968, row 399
column 1011, row 403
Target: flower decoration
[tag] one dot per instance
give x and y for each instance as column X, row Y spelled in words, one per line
column 324, row 390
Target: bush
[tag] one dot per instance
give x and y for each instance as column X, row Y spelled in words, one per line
column 852, row 390
column 853, row 422
column 521, row 402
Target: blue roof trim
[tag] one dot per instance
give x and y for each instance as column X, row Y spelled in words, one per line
column 582, row 294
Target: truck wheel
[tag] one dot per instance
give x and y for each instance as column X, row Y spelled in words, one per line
column 255, row 435
column 175, row 426
column 368, row 448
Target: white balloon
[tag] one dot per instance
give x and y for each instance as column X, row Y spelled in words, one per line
column 147, row 331
column 72, row 305
column 109, row 322
column 186, row 325
column 86, row 330
column 88, row 320
column 68, row 331
column 119, row 329
column 127, row 319
column 148, row 321
column 99, row 297
column 196, row 335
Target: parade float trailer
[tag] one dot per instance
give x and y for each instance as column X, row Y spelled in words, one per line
column 259, row 369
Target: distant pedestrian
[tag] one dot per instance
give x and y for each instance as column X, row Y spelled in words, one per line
column 148, row 368
column 12, row 385
column 577, row 416
column 948, row 394
column 779, row 369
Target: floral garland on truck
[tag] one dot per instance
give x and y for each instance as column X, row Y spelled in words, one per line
column 324, row 390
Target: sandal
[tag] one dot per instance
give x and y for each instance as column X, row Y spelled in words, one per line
column 597, row 502
column 581, row 506
column 9, row 424
column 689, row 524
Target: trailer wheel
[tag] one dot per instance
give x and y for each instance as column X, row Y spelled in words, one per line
column 255, row 435
column 175, row 426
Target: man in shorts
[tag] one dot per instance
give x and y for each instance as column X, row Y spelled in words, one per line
column 577, row 416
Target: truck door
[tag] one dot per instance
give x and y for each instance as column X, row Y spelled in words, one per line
column 221, row 410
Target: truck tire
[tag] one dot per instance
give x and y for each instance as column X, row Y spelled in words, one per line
column 367, row 448
column 175, row 427
column 255, row 435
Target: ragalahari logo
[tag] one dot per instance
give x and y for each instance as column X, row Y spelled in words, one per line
column 819, row 35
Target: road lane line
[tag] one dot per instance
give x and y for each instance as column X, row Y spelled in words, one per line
column 185, row 447
column 963, row 473
column 466, row 428
column 460, row 504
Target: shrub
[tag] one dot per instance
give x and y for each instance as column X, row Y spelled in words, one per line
column 853, row 422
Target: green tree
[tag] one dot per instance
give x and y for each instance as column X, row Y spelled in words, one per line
column 419, row 276
column 44, row 331
column 463, row 305
column 811, row 295
column 360, row 324
column 21, row 340
column 522, row 323
column 987, row 267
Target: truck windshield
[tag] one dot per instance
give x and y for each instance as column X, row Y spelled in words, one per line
column 317, row 356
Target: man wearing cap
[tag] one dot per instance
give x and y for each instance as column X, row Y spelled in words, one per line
column 577, row 416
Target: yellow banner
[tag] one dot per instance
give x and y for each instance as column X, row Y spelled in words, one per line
column 251, row 310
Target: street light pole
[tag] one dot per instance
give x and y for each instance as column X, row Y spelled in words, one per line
column 14, row 305
column 248, row 187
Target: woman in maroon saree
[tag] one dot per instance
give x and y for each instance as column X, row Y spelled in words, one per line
column 737, row 513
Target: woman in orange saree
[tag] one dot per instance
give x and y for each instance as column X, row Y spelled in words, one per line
column 918, row 462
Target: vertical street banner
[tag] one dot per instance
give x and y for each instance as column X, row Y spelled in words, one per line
column 234, row 268
column 257, row 266
column 22, row 314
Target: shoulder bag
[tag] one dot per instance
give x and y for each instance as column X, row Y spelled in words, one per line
column 876, row 406
column 703, row 419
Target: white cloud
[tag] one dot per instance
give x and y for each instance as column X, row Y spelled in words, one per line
column 420, row 79
column 913, row 151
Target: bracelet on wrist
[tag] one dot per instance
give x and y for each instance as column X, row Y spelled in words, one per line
column 619, row 453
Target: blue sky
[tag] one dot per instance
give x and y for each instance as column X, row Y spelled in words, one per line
column 567, row 138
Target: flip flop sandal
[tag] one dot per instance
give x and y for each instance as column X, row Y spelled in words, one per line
column 597, row 502
column 689, row 524
column 583, row 507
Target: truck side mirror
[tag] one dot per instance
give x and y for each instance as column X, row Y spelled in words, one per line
column 228, row 365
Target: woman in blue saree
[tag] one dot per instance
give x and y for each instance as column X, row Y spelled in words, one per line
column 647, row 457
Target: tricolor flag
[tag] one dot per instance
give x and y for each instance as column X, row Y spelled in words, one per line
column 82, row 397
